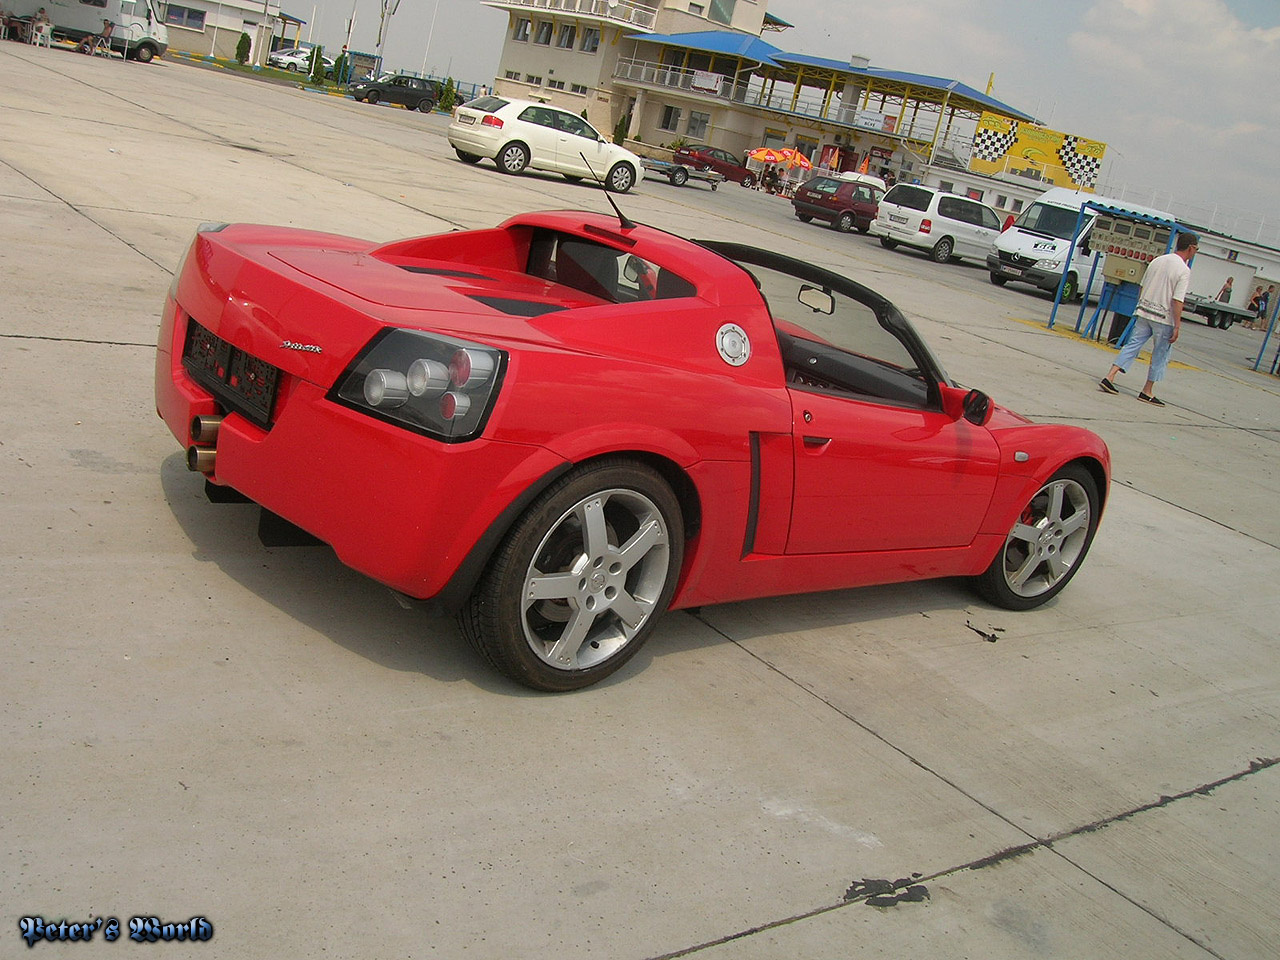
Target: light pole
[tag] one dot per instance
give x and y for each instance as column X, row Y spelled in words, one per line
column 430, row 30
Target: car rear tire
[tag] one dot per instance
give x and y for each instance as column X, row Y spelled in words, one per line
column 291, row 67
column 1047, row 543
column 466, row 157
column 844, row 222
column 749, row 181
column 426, row 105
column 941, row 251
column 371, row 97
column 621, row 178
column 580, row 579
column 887, row 243
column 679, row 176
column 863, row 228
column 998, row 280
column 513, row 158
column 803, row 217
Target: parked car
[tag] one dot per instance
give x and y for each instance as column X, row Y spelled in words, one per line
column 520, row 134
column 947, row 226
column 298, row 59
column 702, row 157
column 565, row 425
column 412, row 92
column 846, row 201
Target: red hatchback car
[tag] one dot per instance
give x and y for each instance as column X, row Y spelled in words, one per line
column 847, row 203
column 568, row 424
column 702, row 157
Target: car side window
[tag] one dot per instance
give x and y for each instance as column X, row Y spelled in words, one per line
column 989, row 218
column 953, row 209
column 539, row 115
column 904, row 195
column 575, row 125
column 399, row 82
column 864, row 195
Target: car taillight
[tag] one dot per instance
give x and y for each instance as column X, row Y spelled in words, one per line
column 926, row 226
column 489, row 120
column 437, row 385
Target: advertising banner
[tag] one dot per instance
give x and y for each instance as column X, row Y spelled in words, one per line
column 1002, row 145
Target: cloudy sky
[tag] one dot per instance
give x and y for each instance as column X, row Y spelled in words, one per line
column 1185, row 93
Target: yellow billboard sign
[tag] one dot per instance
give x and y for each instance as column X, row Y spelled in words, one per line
column 1002, row 145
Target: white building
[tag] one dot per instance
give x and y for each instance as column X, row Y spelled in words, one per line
column 213, row 27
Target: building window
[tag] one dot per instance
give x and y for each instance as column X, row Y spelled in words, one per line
column 532, row 78
column 1001, row 201
column 184, row 17
column 567, row 35
column 590, row 39
column 555, row 84
column 697, row 9
column 721, row 11
column 698, row 123
column 512, row 75
column 670, row 119
column 543, row 34
column 946, row 186
column 522, row 30
column 1017, row 206
column 578, row 88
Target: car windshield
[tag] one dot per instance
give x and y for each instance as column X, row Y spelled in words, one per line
column 1057, row 222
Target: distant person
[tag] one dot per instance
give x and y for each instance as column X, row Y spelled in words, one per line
column 1158, row 316
column 1224, row 295
column 1252, row 307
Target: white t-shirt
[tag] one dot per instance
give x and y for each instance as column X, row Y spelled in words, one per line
column 1166, row 280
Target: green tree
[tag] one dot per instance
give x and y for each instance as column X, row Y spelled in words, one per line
column 317, row 65
column 620, row 131
column 242, row 48
column 449, row 95
column 340, row 68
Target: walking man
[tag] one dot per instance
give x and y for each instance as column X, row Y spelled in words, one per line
column 1158, row 317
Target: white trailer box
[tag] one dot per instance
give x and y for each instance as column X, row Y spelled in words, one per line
column 138, row 31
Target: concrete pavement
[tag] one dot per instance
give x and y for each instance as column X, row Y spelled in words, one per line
column 194, row 724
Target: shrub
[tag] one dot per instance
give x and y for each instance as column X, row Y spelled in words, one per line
column 242, row 49
column 449, row 95
column 620, row 131
column 317, row 65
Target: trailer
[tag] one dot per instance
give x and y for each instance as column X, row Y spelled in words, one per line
column 1215, row 312
column 679, row 174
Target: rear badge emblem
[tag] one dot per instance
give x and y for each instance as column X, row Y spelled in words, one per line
column 300, row 347
column 733, row 344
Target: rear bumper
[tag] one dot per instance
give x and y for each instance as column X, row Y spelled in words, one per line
column 399, row 507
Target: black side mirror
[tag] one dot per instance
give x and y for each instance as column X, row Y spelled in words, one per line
column 977, row 407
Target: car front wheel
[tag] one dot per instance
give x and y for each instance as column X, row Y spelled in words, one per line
column 621, row 178
column 1047, row 543
column 513, row 158
column 371, row 97
column 998, row 279
column 581, row 578
column 749, row 181
column 426, row 105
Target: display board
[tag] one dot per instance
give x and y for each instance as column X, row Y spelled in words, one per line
column 1002, row 145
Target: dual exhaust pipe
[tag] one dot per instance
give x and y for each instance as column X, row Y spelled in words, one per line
column 201, row 455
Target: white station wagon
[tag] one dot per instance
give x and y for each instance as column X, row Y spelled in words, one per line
column 520, row 134
column 946, row 226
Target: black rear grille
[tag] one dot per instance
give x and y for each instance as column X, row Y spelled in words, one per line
column 241, row 382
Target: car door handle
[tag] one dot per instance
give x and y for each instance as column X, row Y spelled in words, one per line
column 816, row 443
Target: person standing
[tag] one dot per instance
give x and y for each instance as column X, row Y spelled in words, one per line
column 1158, row 316
column 1224, row 295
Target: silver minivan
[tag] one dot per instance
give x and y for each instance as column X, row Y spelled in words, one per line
column 947, row 226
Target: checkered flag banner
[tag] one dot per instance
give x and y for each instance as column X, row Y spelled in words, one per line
column 992, row 145
column 1080, row 168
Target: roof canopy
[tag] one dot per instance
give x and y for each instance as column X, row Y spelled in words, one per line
column 729, row 44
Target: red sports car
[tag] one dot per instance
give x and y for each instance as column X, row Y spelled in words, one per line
column 566, row 425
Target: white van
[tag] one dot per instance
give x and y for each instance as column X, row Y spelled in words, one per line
column 138, row 30
column 1034, row 248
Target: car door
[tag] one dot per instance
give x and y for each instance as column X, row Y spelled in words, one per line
column 538, row 131
column 878, row 465
column 575, row 140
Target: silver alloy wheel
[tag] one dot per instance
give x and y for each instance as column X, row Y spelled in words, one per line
column 514, row 158
column 595, row 579
column 1048, row 540
column 621, row 178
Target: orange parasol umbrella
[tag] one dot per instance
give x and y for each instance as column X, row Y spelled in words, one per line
column 768, row 154
column 794, row 158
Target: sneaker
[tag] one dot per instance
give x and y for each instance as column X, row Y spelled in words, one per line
column 1152, row 400
column 1107, row 386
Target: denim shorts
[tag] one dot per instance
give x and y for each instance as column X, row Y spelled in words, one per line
column 1144, row 330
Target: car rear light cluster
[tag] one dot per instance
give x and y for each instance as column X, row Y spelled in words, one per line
column 437, row 385
column 489, row 120
column 926, row 226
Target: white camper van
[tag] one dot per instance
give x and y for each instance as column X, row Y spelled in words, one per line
column 138, row 30
column 1034, row 248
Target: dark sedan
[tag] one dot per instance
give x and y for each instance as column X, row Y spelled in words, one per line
column 412, row 92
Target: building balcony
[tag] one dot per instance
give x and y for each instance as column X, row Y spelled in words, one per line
column 624, row 13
